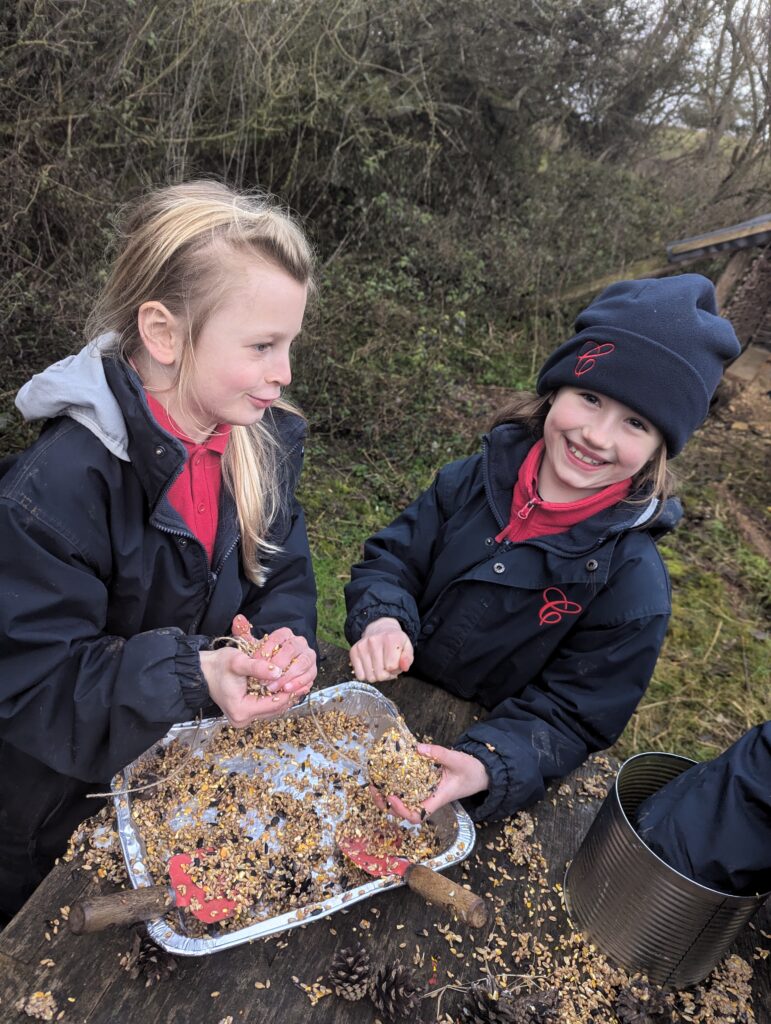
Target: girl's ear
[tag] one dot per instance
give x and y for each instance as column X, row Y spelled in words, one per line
column 159, row 330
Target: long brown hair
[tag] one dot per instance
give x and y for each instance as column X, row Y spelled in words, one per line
column 654, row 480
column 178, row 245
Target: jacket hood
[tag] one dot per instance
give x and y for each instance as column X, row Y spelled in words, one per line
column 77, row 387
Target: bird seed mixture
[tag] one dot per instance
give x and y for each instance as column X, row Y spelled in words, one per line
column 248, row 644
column 258, row 810
column 544, row 973
column 396, row 768
column 549, row 973
column 39, row 1006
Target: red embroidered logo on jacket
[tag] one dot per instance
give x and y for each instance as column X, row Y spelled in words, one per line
column 555, row 606
column 586, row 361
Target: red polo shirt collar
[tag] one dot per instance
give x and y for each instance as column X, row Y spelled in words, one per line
column 195, row 493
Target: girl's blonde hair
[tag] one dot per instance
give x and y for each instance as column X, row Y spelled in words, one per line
column 654, row 480
column 179, row 248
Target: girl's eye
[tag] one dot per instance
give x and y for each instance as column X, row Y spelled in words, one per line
column 638, row 424
column 589, row 397
column 262, row 346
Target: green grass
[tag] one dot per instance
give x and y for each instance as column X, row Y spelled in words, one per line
column 346, row 501
column 340, row 514
column 711, row 680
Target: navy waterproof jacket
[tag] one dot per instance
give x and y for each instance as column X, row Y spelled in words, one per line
column 106, row 597
column 557, row 636
column 713, row 822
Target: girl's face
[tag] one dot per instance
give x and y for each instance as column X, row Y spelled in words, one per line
column 591, row 441
column 241, row 358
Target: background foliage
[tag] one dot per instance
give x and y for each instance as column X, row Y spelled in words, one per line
column 462, row 166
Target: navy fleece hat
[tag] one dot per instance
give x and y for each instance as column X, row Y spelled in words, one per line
column 658, row 346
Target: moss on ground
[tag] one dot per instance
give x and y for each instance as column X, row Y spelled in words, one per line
column 711, row 682
column 346, row 501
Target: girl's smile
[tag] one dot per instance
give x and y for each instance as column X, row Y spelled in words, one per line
column 584, row 456
column 591, row 441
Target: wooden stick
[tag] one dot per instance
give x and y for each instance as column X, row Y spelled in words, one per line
column 436, row 888
column 121, row 908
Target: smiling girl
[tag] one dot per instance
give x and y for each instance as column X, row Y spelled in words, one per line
column 157, row 504
column 527, row 577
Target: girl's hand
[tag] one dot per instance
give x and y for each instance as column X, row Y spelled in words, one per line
column 292, row 654
column 463, row 775
column 382, row 653
column 226, row 672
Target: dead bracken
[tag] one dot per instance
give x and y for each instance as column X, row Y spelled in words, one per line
column 396, row 768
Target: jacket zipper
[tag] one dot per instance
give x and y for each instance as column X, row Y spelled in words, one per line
column 225, row 556
column 170, row 531
column 527, row 508
column 485, row 466
column 212, row 572
column 523, row 513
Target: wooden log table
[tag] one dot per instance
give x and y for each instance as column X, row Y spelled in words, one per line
column 274, row 979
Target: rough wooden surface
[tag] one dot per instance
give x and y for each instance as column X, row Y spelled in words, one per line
column 86, row 968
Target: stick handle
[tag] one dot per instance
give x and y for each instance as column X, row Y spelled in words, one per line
column 120, row 908
column 436, row 888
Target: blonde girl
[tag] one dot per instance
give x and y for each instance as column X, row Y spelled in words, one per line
column 157, row 505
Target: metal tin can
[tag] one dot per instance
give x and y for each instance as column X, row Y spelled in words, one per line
column 635, row 908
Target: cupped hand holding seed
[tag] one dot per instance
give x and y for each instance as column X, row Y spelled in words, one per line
column 226, row 672
column 383, row 651
column 291, row 653
column 295, row 658
column 462, row 775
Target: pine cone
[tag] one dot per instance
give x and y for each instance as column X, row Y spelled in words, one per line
column 147, row 961
column 349, row 974
column 484, row 1003
column 395, row 991
column 536, row 1007
column 641, row 1003
column 487, row 1004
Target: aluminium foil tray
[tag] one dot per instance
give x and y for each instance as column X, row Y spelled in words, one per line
column 455, row 828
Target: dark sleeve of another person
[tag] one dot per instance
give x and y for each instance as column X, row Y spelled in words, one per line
column 713, row 822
